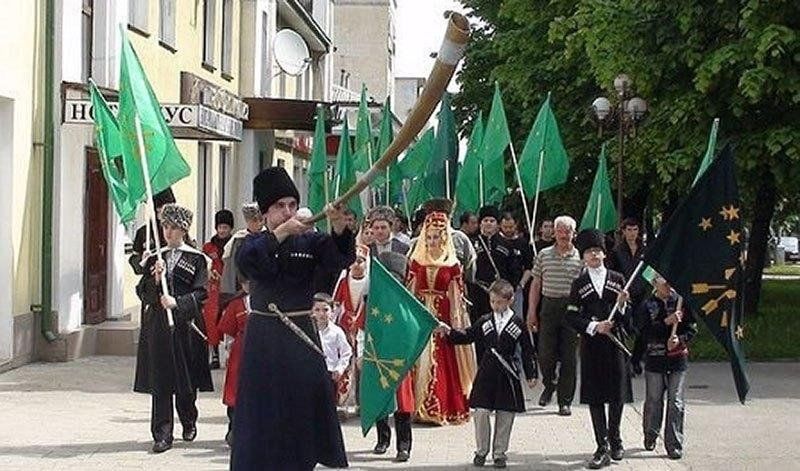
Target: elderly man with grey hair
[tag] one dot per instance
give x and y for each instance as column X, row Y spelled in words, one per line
column 554, row 270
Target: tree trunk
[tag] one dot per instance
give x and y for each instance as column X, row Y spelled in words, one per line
column 763, row 211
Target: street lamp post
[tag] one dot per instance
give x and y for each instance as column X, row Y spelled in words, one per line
column 626, row 113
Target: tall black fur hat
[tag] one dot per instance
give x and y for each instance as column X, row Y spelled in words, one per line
column 223, row 216
column 489, row 212
column 440, row 205
column 589, row 238
column 272, row 184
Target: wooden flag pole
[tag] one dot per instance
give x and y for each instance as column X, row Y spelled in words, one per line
column 522, row 194
column 152, row 213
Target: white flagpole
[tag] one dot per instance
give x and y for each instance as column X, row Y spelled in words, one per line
column 536, row 198
column 522, row 194
column 152, row 213
column 597, row 216
column 480, row 181
column 405, row 202
column 388, row 197
column 447, row 177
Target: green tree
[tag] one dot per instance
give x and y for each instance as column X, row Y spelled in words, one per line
column 692, row 60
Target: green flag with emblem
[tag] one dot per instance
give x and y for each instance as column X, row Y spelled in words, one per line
column 600, row 212
column 396, row 330
column 137, row 99
column 699, row 251
column 109, row 146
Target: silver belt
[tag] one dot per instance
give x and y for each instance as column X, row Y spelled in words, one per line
column 274, row 314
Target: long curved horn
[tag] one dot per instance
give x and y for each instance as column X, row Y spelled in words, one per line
column 450, row 53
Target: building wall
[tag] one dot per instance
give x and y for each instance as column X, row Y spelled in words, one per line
column 21, row 86
column 364, row 38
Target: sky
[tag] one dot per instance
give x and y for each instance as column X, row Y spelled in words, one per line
column 419, row 28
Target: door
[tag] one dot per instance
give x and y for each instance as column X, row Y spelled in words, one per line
column 95, row 241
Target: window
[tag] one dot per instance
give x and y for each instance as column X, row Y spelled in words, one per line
column 166, row 23
column 137, row 13
column 209, row 18
column 87, row 21
column 227, row 36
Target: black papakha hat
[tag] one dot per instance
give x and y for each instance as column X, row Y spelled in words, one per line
column 589, row 238
column 272, row 184
column 223, row 216
column 489, row 212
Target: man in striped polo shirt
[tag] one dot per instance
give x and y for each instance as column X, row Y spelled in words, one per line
column 554, row 270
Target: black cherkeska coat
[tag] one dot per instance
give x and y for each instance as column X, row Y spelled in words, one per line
column 495, row 388
column 604, row 368
column 285, row 414
column 173, row 362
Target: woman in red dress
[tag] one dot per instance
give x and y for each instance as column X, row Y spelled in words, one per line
column 444, row 372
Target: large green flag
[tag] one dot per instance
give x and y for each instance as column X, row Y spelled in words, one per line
column 440, row 177
column 543, row 150
column 364, row 153
column 318, row 185
column 468, row 191
column 397, row 328
column 709, row 156
column 416, row 159
column 136, row 99
column 493, row 146
column 391, row 188
column 600, row 211
column 345, row 175
column 417, row 194
column 700, row 252
column 109, row 145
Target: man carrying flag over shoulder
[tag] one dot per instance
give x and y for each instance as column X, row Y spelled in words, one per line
column 699, row 252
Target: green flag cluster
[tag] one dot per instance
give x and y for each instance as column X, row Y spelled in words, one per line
column 543, row 163
column 600, row 211
column 345, row 171
column 318, row 184
column 363, row 156
column 700, row 252
column 440, row 177
column 397, row 328
column 118, row 138
column 468, row 187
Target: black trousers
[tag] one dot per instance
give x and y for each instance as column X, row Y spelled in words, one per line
column 162, row 418
column 402, row 424
column 231, row 412
column 606, row 432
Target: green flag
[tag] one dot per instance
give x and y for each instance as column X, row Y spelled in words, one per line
column 600, row 212
column 136, row 99
column 397, row 328
column 109, row 146
column 699, row 251
column 493, row 146
column 383, row 142
column 318, row 187
column 468, row 193
column 345, row 175
column 440, row 177
column 543, row 150
column 364, row 153
column 416, row 158
column 709, row 156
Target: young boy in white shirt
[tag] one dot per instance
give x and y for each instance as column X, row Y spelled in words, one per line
column 334, row 342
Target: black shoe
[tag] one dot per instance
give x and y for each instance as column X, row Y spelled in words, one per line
column 380, row 448
column 214, row 365
column 599, row 460
column 189, row 433
column 546, row 397
column 500, row 462
column 229, row 438
column 160, row 446
column 564, row 410
column 675, row 454
column 617, row 452
column 479, row 460
column 402, row 456
column 649, row 443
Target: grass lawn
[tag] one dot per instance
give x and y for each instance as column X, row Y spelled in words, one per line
column 773, row 333
column 787, row 269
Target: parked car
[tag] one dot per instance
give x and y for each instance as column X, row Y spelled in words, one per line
column 790, row 247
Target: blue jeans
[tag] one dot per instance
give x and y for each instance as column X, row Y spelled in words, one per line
column 656, row 384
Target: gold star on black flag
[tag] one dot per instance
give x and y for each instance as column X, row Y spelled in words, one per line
column 703, row 261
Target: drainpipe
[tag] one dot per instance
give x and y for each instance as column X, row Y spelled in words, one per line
column 47, row 175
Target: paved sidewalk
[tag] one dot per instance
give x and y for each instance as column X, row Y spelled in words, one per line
column 83, row 416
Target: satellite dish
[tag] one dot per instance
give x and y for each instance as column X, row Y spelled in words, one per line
column 291, row 52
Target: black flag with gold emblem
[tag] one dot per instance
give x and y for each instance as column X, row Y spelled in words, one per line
column 700, row 252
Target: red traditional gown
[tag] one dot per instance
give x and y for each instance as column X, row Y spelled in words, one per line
column 233, row 323
column 444, row 372
column 211, row 305
column 351, row 320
